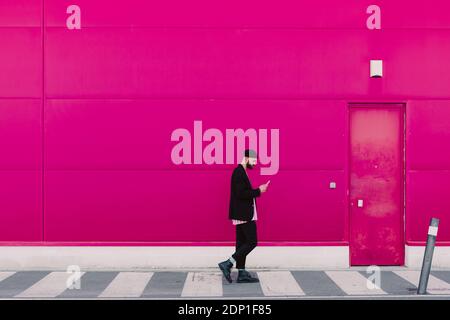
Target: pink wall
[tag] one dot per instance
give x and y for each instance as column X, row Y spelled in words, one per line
column 86, row 115
column 428, row 167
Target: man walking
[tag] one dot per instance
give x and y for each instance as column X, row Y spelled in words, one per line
column 243, row 214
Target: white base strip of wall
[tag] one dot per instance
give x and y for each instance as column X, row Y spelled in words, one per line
column 147, row 258
column 414, row 257
column 13, row 258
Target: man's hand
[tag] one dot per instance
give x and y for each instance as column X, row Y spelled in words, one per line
column 263, row 187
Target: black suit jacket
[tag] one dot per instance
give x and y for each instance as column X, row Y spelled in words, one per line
column 242, row 194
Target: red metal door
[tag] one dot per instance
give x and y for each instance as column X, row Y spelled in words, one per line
column 376, row 185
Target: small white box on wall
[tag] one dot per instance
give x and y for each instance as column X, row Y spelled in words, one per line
column 376, row 68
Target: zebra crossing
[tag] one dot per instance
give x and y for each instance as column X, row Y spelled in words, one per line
column 211, row 284
column 353, row 283
column 279, row 283
column 127, row 285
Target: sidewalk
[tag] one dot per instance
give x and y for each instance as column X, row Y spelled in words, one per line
column 188, row 284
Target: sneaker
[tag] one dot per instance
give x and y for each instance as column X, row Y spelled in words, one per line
column 225, row 267
column 245, row 277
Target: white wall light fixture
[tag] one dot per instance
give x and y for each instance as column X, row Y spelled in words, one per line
column 376, row 68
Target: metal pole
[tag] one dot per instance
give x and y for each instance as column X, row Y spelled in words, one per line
column 428, row 256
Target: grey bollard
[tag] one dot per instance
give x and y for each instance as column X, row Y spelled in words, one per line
column 428, row 256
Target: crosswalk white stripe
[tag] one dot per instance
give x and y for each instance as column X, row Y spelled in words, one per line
column 199, row 284
column 435, row 285
column 5, row 274
column 127, row 285
column 354, row 283
column 279, row 283
column 50, row 286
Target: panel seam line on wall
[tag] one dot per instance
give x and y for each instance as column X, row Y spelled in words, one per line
column 42, row 117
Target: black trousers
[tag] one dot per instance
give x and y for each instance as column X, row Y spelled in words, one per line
column 246, row 241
